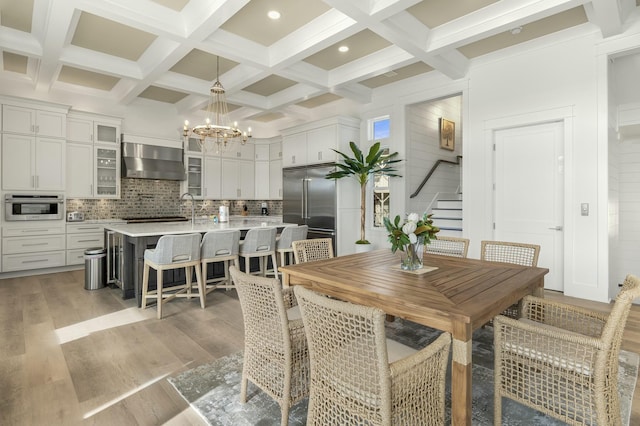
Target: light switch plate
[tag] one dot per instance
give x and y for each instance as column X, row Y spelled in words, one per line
column 584, row 209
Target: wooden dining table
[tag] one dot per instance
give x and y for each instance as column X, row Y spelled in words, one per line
column 451, row 294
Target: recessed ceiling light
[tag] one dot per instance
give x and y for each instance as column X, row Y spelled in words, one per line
column 516, row 30
column 343, row 49
column 273, row 14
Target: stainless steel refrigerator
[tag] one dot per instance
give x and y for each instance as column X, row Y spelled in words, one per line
column 310, row 199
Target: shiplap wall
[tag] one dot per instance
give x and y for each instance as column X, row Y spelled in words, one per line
column 614, row 216
column 629, row 201
column 423, row 133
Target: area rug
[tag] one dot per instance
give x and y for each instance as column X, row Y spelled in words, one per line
column 213, row 389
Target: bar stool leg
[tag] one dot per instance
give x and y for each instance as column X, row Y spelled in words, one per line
column 187, row 272
column 201, row 288
column 159, row 292
column 145, row 284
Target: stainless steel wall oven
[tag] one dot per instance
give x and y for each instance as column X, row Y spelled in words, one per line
column 23, row 207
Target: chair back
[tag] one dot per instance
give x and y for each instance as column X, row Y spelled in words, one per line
column 175, row 249
column 617, row 319
column 258, row 240
column 290, row 234
column 220, row 243
column 350, row 379
column 508, row 252
column 313, row 249
column 265, row 320
column 448, row 246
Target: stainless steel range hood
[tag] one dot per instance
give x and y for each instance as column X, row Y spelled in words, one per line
column 143, row 161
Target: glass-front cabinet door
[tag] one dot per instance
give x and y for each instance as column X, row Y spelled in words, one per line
column 194, row 175
column 106, row 133
column 107, row 172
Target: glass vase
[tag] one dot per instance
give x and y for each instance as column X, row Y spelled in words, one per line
column 412, row 256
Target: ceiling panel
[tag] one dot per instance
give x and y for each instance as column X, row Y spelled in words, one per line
column 252, row 22
column 397, row 75
column 15, row 63
column 437, row 12
column 16, row 14
column 202, row 65
column 530, row 31
column 360, row 45
column 87, row 78
column 161, row 94
column 316, row 101
column 267, row 117
column 112, row 38
column 269, row 85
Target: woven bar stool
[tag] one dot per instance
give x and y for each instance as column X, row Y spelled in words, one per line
column 260, row 243
column 172, row 252
column 219, row 246
column 288, row 235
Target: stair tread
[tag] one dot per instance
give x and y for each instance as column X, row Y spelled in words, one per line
column 445, row 208
column 445, row 217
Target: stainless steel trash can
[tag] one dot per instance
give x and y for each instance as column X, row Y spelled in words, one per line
column 94, row 268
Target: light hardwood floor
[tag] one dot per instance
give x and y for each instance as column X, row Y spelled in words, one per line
column 70, row 356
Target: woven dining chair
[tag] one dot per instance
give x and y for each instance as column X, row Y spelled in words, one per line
column 312, row 249
column 276, row 358
column 562, row 360
column 448, row 246
column 360, row 377
column 509, row 252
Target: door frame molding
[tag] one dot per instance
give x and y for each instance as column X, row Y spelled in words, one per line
column 554, row 115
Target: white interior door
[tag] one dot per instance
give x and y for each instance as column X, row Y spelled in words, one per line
column 529, row 194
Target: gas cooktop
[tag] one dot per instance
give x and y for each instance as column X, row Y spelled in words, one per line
column 155, row 219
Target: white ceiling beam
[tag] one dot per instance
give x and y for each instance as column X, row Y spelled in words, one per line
column 58, row 17
column 608, row 15
column 491, row 20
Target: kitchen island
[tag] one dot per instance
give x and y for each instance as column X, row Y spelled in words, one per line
column 127, row 243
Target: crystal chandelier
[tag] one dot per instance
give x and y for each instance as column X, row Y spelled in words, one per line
column 217, row 127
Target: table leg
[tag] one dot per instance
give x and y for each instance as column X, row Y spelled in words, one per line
column 539, row 290
column 461, row 382
column 285, row 279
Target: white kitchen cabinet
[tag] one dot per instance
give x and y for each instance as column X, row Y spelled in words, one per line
column 313, row 143
column 275, row 179
column 263, row 179
column 33, row 246
column 212, row 178
column 96, row 167
column 33, row 163
column 262, row 152
column 275, row 151
column 82, row 236
column 106, row 179
column 31, row 121
column 294, row 150
column 239, row 151
column 193, row 184
column 238, row 179
column 80, row 170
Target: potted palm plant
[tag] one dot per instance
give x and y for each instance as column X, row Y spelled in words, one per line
column 362, row 168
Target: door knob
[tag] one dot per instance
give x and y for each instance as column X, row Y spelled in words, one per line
column 556, row 228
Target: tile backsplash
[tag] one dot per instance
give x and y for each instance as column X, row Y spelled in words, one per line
column 146, row 197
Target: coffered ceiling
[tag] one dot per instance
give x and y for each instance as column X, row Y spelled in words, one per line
column 274, row 70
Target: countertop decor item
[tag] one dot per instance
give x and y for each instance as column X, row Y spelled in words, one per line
column 410, row 238
column 362, row 168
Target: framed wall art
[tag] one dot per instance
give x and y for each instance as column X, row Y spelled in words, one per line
column 447, row 134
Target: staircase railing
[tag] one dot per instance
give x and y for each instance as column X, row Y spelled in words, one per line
column 433, row 169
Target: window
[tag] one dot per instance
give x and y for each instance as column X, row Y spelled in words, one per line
column 380, row 131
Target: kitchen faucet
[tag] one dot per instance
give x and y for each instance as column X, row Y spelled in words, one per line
column 193, row 207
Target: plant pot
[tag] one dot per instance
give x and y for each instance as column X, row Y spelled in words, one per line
column 363, row 248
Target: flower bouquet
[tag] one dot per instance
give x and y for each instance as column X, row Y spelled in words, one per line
column 410, row 238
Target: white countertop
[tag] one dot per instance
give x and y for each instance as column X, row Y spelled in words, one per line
column 201, row 226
